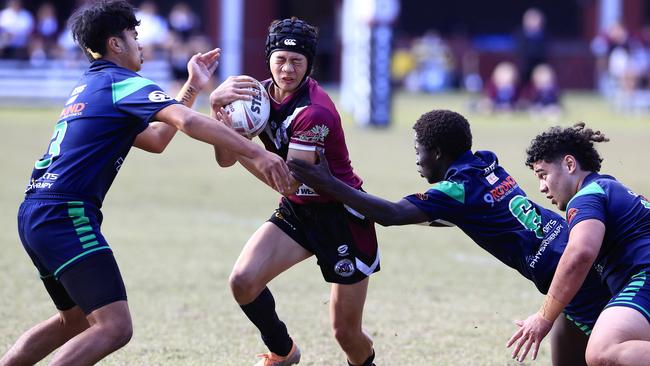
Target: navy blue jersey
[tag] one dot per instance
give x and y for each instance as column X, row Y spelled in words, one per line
column 625, row 249
column 484, row 201
column 105, row 112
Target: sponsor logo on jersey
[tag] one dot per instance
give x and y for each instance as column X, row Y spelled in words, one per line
column 492, row 178
column 304, row 190
column 343, row 250
column 344, row 268
column 44, row 182
column 571, row 214
column 158, row 96
column 73, row 110
column 499, row 192
column 490, row 168
column 78, row 90
column 547, row 240
column 289, row 42
column 316, row 134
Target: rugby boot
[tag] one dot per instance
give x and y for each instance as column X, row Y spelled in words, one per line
column 271, row 359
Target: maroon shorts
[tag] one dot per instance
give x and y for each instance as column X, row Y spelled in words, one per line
column 344, row 243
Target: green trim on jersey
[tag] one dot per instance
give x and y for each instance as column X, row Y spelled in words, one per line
column 128, row 86
column 591, row 188
column 451, row 189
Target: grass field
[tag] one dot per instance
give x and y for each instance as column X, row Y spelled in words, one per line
column 177, row 222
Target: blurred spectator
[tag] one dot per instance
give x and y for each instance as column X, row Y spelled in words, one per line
column 183, row 21
column 623, row 63
column 153, row 29
column 403, row 62
column 501, row 91
column 43, row 43
column 542, row 95
column 434, row 70
column 181, row 52
column 531, row 43
column 16, row 25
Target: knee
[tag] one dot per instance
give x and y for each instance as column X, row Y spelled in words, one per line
column 345, row 334
column 118, row 333
column 600, row 356
column 243, row 287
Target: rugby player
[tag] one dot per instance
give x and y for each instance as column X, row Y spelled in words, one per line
column 609, row 230
column 473, row 192
column 108, row 111
column 306, row 223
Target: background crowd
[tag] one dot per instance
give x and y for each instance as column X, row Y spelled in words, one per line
column 525, row 79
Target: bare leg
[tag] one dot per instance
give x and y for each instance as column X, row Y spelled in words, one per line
column 42, row 339
column 346, row 311
column 568, row 343
column 110, row 329
column 621, row 336
column 267, row 253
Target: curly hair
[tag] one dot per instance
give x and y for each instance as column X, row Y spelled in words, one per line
column 444, row 129
column 93, row 24
column 557, row 142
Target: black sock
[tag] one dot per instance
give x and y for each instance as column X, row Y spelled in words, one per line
column 274, row 333
column 367, row 362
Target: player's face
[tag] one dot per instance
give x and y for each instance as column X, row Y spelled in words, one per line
column 556, row 182
column 428, row 162
column 288, row 69
column 132, row 56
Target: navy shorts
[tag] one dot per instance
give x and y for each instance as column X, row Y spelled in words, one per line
column 635, row 294
column 64, row 242
column 588, row 303
column 344, row 243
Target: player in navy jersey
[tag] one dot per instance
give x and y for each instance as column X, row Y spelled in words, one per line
column 473, row 192
column 303, row 118
column 610, row 231
column 107, row 112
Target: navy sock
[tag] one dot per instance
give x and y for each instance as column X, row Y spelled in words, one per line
column 367, row 362
column 274, row 333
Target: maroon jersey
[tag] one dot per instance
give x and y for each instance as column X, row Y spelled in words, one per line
column 307, row 120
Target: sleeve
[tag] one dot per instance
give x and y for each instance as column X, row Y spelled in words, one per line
column 436, row 203
column 140, row 98
column 310, row 128
column 585, row 207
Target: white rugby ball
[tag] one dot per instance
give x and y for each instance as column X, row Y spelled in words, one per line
column 249, row 117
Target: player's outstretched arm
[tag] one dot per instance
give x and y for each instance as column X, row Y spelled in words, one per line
column 585, row 240
column 200, row 67
column 206, row 129
column 377, row 209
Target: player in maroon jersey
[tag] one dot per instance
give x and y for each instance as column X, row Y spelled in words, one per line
column 303, row 119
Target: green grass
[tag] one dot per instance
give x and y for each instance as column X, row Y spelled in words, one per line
column 177, row 222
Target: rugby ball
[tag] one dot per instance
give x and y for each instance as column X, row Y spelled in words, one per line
column 249, row 117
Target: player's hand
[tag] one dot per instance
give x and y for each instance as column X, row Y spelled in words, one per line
column 201, row 67
column 232, row 89
column 275, row 171
column 314, row 175
column 223, row 117
column 530, row 334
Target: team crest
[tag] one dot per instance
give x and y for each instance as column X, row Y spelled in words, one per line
column 422, row 196
column 571, row 214
column 344, row 268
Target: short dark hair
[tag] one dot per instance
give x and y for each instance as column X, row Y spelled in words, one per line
column 93, row 24
column 449, row 131
column 556, row 142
